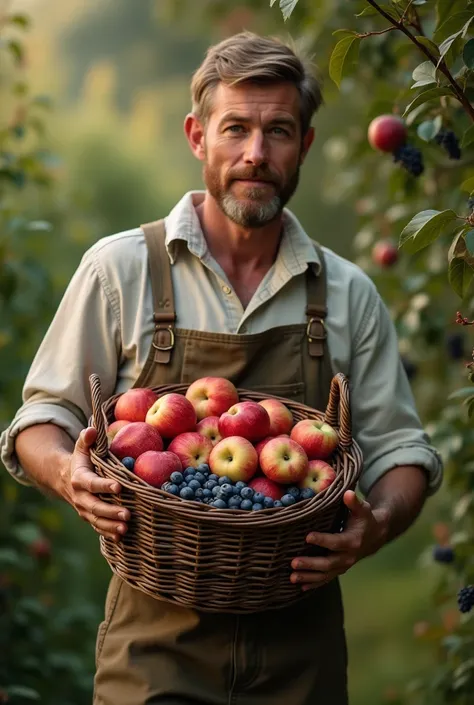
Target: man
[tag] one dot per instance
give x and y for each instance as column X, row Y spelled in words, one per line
column 229, row 285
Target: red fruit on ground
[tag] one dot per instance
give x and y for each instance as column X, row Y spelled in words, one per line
column 386, row 133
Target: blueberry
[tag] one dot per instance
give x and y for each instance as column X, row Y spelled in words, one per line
column 210, row 484
column 219, row 504
column 443, row 554
column 216, row 491
column 200, row 478
column 268, row 502
column 236, row 490
column 227, row 490
column 172, row 488
column 277, row 503
column 225, row 480
column 287, row 500
column 258, row 497
column 307, row 493
column 256, row 506
column 240, row 485
column 189, row 471
column 177, row 478
column 213, row 477
column 182, row 485
column 410, row 158
column 294, row 491
column 234, row 502
column 198, row 492
column 206, row 493
column 194, row 485
column 204, row 468
column 128, row 462
column 246, row 504
column 246, row 493
column 186, row 493
column 466, row 598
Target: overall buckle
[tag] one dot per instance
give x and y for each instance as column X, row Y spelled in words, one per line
column 159, row 329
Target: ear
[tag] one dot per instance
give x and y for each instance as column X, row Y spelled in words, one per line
column 195, row 134
column 307, row 142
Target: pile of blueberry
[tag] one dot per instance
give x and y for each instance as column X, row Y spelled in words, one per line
column 200, row 485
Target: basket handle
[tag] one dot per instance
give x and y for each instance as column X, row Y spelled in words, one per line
column 98, row 422
column 338, row 411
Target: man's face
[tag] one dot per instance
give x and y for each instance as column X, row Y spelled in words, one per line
column 253, row 150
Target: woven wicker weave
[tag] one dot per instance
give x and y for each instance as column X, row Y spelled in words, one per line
column 213, row 559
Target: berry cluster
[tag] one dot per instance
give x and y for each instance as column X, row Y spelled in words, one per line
column 443, row 554
column 466, row 598
column 448, row 140
column 410, row 158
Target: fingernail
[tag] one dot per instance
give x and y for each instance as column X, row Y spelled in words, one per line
column 122, row 529
column 114, row 488
column 123, row 516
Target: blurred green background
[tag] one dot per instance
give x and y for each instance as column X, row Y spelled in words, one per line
column 118, row 73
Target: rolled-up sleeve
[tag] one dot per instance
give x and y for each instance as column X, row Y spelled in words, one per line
column 385, row 420
column 84, row 337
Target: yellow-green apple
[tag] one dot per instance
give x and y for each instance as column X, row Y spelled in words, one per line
column 171, row 415
column 209, row 427
column 281, row 418
column 319, row 476
column 134, row 439
column 267, row 487
column 133, row 404
column 283, row 460
column 247, row 419
column 318, row 438
column 234, row 457
column 114, row 428
column 261, row 444
column 191, row 448
column 155, row 467
column 211, row 396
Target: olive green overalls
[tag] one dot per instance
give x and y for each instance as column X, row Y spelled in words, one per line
column 151, row 651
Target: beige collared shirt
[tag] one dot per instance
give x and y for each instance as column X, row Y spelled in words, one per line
column 104, row 324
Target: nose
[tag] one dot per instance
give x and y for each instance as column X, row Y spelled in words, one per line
column 255, row 152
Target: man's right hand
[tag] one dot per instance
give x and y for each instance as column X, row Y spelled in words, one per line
column 82, row 486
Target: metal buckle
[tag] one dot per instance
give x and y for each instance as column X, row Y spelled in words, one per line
column 171, row 332
column 308, row 329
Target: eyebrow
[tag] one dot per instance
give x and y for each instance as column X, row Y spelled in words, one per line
column 235, row 117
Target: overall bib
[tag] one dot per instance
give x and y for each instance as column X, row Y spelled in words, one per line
column 150, row 652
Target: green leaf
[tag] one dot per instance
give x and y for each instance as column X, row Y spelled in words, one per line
column 468, row 54
column 445, row 46
column 424, row 74
column 469, row 240
column 468, row 137
column 344, row 33
column 287, row 7
column 428, row 44
column 426, row 96
column 428, row 129
column 460, row 275
column 16, row 49
column 21, row 691
column 425, row 228
column 468, row 185
column 20, row 20
column 454, row 23
column 444, row 8
column 463, row 393
column 343, row 56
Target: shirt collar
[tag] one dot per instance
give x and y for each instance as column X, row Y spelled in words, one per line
column 296, row 251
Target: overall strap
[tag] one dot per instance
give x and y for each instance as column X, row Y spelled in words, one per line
column 164, row 315
column 316, row 310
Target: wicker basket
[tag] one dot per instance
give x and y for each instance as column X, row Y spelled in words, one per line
column 218, row 560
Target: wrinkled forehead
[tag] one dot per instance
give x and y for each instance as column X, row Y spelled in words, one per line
column 255, row 101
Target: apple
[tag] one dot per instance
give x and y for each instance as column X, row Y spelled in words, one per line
column 267, row 487
column 192, row 449
column 234, row 457
column 281, row 418
column 209, row 427
column 261, row 444
column 155, row 467
column 134, row 439
column 133, row 404
column 283, row 460
column 317, row 437
column 211, row 396
column 319, row 476
column 114, row 428
column 385, row 253
column 247, row 419
column 172, row 414
column 387, row 133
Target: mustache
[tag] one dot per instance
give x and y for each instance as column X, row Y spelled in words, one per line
column 253, row 175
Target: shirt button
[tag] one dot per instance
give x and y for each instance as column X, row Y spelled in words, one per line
column 227, row 290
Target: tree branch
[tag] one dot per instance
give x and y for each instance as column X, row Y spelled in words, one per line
column 372, row 34
column 457, row 90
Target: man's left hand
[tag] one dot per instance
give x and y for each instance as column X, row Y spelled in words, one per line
column 364, row 534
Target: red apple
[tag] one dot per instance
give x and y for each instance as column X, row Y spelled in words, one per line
column 209, row 427
column 387, row 133
column 191, row 448
column 283, row 460
column 133, row 404
column 234, row 457
column 155, row 467
column 261, row 444
column 267, row 487
column 134, row 439
column 211, row 396
column 281, row 418
column 319, row 476
column 172, row 414
column 385, row 253
column 247, row 419
column 318, row 438
column 114, row 428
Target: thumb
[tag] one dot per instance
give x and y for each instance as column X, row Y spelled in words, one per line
column 354, row 504
column 86, row 439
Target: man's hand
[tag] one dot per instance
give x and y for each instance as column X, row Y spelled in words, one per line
column 364, row 534
column 82, row 484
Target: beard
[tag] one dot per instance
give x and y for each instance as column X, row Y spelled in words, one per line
column 256, row 208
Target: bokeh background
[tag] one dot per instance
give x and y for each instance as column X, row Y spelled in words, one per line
column 111, row 81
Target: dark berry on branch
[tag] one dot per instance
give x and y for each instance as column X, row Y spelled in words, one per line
column 443, row 554
column 448, row 140
column 455, row 346
column 410, row 158
column 470, row 204
column 466, row 598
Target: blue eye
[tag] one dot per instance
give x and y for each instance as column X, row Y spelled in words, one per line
column 234, row 128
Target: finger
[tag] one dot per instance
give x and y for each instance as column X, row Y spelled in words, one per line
column 339, row 563
column 309, row 578
column 105, row 526
column 355, row 505
column 345, row 541
column 86, row 439
column 85, row 479
column 94, row 506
